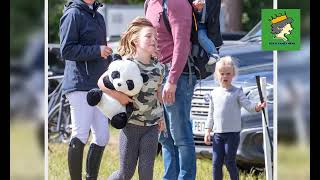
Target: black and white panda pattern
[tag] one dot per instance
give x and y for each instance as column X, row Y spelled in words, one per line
column 123, row 76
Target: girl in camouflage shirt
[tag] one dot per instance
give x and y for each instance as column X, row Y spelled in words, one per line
column 139, row 139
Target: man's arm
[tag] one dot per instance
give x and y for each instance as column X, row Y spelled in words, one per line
column 180, row 18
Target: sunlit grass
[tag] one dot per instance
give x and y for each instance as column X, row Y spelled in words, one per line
column 26, row 158
column 58, row 166
column 293, row 162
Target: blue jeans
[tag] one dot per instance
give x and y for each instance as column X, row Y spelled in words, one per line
column 178, row 149
column 205, row 42
column 224, row 146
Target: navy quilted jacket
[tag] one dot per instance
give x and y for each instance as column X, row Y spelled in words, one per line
column 82, row 32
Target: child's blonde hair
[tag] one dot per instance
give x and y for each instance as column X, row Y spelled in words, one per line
column 127, row 46
column 226, row 61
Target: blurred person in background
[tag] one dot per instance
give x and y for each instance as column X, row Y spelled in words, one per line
column 26, row 90
column 294, row 112
column 294, row 101
column 83, row 47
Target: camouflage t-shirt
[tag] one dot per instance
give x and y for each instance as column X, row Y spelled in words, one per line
column 147, row 109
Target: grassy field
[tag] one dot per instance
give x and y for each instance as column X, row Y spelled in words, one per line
column 293, row 162
column 26, row 158
column 27, row 162
column 58, row 166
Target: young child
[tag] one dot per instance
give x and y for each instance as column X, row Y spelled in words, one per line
column 138, row 141
column 224, row 118
column 202, row 16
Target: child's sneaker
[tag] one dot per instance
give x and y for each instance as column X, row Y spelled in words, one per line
column 213, row 59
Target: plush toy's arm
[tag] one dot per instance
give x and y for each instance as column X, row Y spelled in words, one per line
column 94, row 96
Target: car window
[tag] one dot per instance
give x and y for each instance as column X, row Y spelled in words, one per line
column 253, row 95
column 251, row 78
column 253, row 33
column 247, row 74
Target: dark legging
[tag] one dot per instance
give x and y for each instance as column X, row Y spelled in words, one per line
column 225, row 147
column 136, row 143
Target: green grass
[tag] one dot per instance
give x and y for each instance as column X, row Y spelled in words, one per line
column 58, row 166
column 26, row 158
column 293, row 161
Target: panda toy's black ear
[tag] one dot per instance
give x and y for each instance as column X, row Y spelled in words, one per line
column 116, row 57
column 145, row 77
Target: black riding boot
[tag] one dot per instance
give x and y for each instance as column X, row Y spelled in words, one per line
column 93, row 161
column 75, row 155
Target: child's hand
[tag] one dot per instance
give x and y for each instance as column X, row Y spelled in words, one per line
column 207, row 137
column 260, row 105
column 161, row 125
column 122, row 98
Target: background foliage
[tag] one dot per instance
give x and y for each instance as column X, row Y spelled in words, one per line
column 250, row 15
column 25, row 17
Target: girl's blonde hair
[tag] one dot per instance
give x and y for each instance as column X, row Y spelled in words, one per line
column 227, row 61
column 127, row 46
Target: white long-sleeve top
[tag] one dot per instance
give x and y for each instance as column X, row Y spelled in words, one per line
column 225, row 109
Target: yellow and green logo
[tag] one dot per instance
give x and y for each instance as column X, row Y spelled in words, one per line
column 281, row 29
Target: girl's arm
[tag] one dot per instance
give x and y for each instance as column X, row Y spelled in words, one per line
column 122, row 98
column 159, row 94
column 161, row 122
column 159, row 90
column 245, row 102
column 209, row 122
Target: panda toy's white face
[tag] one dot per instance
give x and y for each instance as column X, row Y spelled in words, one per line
column 125, row 77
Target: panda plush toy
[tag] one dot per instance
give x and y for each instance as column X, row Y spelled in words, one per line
column 123, row 76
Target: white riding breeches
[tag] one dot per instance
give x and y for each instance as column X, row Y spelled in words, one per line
column 85, row 117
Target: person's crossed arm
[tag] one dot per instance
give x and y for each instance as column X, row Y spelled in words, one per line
column 121, row 97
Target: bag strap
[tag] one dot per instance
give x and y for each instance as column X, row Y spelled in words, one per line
column 165, row 15
column 146, row 6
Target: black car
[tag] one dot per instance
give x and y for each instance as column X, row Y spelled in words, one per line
column 252, row 60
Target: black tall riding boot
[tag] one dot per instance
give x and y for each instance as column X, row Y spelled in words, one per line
column 75, row 155
column 93, row 161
